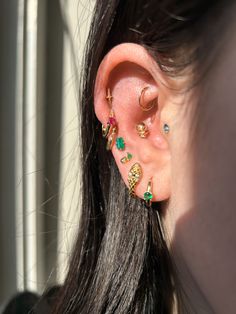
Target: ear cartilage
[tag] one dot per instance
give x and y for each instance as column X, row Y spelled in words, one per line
column 141, row 102
column 142, row 130
column 148, row 196
column 134, row 177
column 166, row 128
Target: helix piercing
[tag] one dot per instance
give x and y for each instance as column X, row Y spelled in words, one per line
column 152, row 104
column 134, row 177
column 142, row 130
column 110, row 129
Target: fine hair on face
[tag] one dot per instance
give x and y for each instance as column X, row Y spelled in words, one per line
column 120, row 262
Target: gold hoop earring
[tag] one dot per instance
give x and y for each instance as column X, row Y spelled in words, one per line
column 152, row 104
column 134, row 177
column 142, row 130
column 148, row 196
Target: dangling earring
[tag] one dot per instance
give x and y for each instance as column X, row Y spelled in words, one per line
column 141, row 102
column 110, row 130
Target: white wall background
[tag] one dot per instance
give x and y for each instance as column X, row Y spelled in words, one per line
column 40, row 60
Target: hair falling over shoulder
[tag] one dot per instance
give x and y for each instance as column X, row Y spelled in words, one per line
column 120, row 262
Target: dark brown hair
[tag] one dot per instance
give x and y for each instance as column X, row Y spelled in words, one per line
column 120, row 263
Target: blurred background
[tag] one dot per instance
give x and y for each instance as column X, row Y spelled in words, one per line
column 41, row 51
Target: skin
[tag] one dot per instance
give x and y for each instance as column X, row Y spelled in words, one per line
column 193, row 173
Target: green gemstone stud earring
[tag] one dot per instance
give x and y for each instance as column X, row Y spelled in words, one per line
column 148, row 194
column 127, row 158
column 120, row 143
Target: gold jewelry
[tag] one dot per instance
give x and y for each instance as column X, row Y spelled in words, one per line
column 111, row 123
column 111, row 138
column 110, row 130
column 127, row 158
column 109, row 97
column 142, row 130
column 148, row 196
column 152, row 104
column 134, row 177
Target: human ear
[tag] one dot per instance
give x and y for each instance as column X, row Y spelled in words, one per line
column 126, row 70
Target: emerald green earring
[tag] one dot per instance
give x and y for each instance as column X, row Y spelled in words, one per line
column 148, row 196
column 120, row 143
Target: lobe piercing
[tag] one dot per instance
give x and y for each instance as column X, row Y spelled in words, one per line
column 148, row 194
column 134, row 177
column 142, row 130
column 143, row 107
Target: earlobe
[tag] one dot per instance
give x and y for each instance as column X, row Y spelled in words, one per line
column 127, row 99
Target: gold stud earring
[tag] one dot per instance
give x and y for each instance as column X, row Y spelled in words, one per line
column 134, row 177
column 142, row 130
column 141, row 101
column 148, row 196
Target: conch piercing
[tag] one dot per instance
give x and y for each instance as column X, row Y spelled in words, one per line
column 148, row 196
column 127, row 158
column 142, row 130
column 134, row 177
column 141, row 102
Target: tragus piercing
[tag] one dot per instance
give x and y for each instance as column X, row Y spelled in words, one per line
column 134, row 177
column 142, row 130
column 143, row 107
